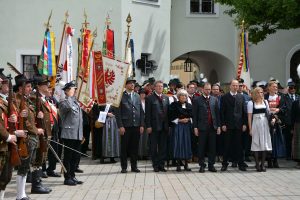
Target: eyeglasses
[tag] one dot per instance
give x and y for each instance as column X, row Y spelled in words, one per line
column 292, row 88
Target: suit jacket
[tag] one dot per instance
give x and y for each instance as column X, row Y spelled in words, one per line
column 130, row 113
column 200, row 113
column 71, row 119
column 233, row 113
column 154, row 118
column 288, row 102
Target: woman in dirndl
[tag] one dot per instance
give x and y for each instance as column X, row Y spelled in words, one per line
column 110, row 137
column 277, row 109
column 180, row 113
column 258, row 111
column 296, row 132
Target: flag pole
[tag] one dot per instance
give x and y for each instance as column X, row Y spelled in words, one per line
column 128, row 20
column 240, row 49
column 62, row 36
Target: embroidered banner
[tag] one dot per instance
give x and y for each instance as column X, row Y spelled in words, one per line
column 115, row 78
column 100, row 81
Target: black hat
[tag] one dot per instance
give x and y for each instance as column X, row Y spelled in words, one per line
column 151, row 80
column 142, row 91
column 40, row 80
column 241, row 81
column 174, row 81
column 69, row 85
column 3, row 77
column 291, row 83
column 20, row 79
column 137, row 84
column 130, row 79
column 194, row 82
column 145, row 82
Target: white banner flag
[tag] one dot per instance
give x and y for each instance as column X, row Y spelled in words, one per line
column 115, row 79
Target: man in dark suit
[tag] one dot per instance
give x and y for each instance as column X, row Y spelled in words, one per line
column 233, row 121
column 130, row 120
column 206, row 121
column 288, row 100
column 157, row 125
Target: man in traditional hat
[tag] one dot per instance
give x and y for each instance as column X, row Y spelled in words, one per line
column 6, row 137
column 71, row 132
column 47, row 122
column 27, row 112
column 130, row 120
column 288, row 100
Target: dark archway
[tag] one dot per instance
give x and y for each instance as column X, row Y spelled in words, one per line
column 295, row 61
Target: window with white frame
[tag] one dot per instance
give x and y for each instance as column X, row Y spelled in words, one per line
column 29, row 62
column 202, row 7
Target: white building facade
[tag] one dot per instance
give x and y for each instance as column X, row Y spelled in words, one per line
column 164, row 30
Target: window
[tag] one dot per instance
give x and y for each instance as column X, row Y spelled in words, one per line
column 202, row 7
column 29, row 61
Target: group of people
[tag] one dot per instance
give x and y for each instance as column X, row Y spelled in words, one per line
column 31, row 128
column 178, row 125
column 184, row 124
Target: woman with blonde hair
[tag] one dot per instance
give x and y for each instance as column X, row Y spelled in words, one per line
column 258, row 111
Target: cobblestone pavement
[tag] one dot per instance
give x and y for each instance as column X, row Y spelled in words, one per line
column 104, row 181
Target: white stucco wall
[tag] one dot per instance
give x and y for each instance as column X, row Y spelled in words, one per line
column 22, row 26
column 151, row 34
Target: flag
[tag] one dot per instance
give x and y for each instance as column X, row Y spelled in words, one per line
column 108, row 48
column 47, row 63
column 86, row 49
column 115, row 77
column 130, row 58
column 65, row 62
column 100, row 79
column 243, row 66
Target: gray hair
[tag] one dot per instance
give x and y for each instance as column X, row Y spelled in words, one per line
column 182, row 92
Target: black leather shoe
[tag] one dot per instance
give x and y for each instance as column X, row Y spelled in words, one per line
column 202, row 169
column 156, row 169
column 234, row 164
column 136, row 170
column 162, row 169
column 44, row 174
column 263, row 168
column 69, row 182
column 79, row 170
column 53, row 174
column 77, row 181
column 123, row 171
column 242, row 168
column 224, row 168
column 212, row 169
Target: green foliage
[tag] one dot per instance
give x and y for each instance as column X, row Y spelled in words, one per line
column 264, row 17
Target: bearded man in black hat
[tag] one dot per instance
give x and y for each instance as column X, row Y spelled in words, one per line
column 130, row 120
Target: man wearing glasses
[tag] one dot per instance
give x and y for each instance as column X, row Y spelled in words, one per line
column 288, row 100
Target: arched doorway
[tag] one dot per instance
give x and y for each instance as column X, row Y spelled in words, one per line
column 214, row 66
column 295, row 61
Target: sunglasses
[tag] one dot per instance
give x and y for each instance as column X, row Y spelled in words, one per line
column 292, row 88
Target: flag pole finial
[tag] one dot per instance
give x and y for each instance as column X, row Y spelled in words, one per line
column 85, row 23
column 107, row 21
column 48, row 22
